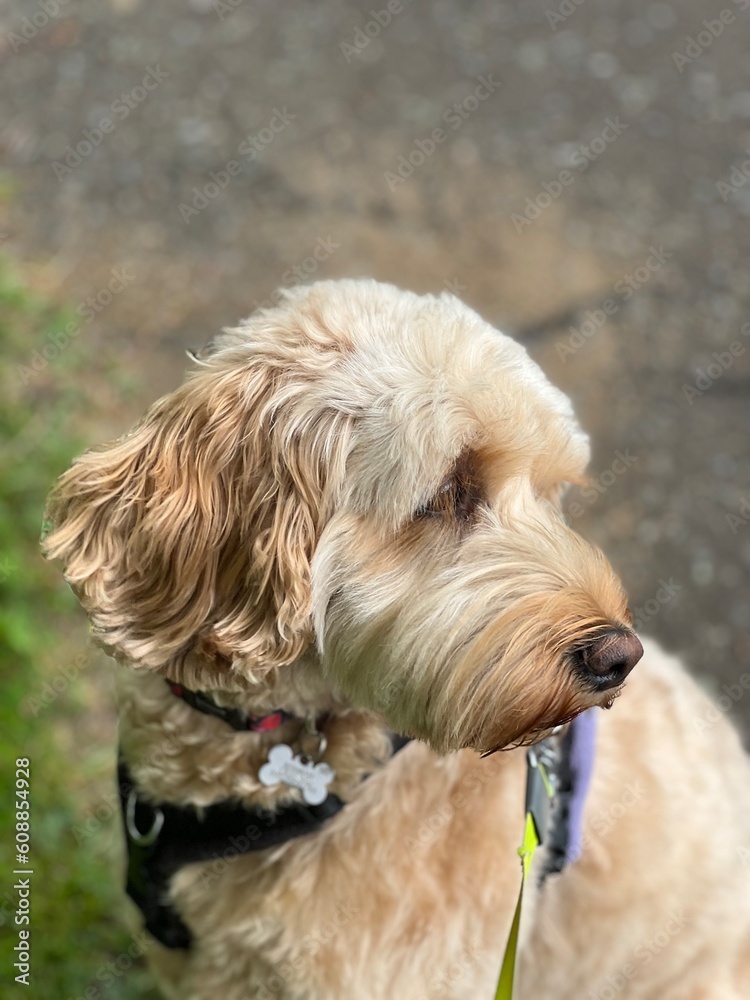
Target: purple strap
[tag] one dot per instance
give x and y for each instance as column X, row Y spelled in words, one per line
column 581, row 762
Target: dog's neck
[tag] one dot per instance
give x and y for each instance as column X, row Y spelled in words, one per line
column 179, row 754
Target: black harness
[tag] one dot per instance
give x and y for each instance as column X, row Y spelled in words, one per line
column 182, row 835
column 162, row 839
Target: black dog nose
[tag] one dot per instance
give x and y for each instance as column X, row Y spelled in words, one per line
column 610, row 658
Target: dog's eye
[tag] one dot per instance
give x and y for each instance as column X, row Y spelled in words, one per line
column 454, row 497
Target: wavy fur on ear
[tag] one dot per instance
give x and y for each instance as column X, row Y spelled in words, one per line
column 195, row 530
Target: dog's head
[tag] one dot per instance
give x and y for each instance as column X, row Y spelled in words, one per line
column 372, row 479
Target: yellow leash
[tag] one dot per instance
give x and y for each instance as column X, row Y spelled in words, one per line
column 539, row 791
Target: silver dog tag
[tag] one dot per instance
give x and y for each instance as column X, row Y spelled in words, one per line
column 298, row 771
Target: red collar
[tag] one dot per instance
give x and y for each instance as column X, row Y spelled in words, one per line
column 238, row 720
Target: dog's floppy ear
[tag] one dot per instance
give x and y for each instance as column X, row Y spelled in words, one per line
column 194, row 532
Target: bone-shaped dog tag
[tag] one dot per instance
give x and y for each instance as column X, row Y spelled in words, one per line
column 298, row 771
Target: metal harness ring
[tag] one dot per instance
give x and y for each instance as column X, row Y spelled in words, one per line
column 141, row 839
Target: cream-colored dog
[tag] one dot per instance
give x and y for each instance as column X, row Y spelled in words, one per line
column 347, row 520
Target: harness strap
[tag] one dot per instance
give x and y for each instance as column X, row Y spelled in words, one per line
column 163, row 838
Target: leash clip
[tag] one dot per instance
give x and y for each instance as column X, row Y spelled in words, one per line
column 539, row 789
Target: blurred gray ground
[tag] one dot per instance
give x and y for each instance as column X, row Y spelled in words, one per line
column 316, row 103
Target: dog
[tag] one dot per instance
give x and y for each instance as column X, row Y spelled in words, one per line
column 345, row 527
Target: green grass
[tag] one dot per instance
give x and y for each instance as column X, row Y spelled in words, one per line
column 55, row 700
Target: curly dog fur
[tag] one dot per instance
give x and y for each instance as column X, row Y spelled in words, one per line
column 351, row 509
